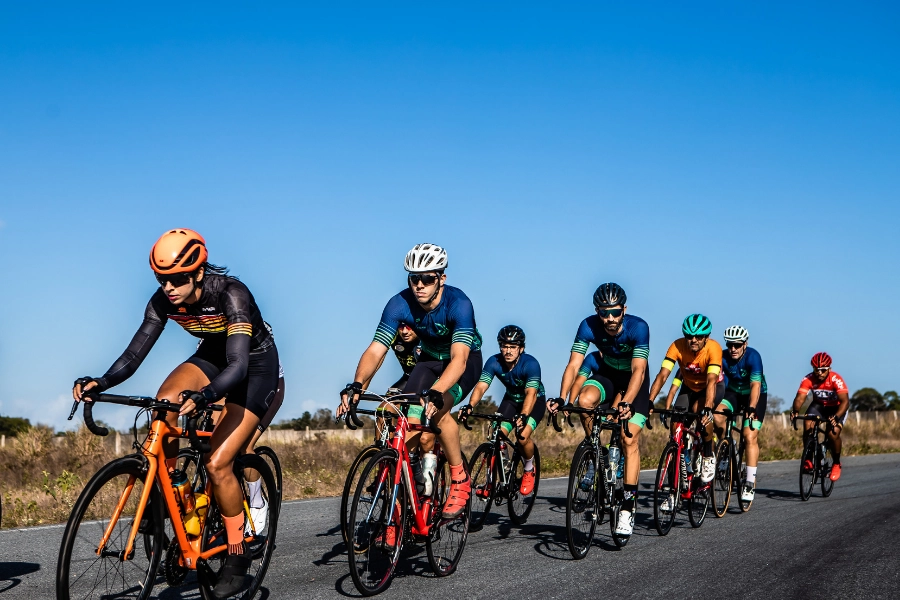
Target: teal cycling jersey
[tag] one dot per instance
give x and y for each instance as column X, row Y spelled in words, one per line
column 451, row 321
column 741, row 373
column 632, row 341
column 526, row 373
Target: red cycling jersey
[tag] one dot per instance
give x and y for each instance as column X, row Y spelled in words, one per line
column 825, row 392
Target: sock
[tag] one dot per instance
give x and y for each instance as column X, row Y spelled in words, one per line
column 751, row 474
column 234, row 532
column 458, row 472
column 630, row 497
column 529, row 464
column 256, row 499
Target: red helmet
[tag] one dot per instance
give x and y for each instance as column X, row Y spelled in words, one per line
column 820, row 360
column 178, row 251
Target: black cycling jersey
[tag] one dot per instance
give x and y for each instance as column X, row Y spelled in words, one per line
column 226, row 316
column 407, row 354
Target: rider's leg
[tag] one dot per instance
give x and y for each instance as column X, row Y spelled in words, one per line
column 186, row 376
column 252, row 476
column 589, row 398
column 834, row 437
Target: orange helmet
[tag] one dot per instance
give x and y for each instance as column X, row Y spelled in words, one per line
column 178, row 251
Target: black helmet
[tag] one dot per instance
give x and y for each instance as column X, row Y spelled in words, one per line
column 609, row 294
column 511, row 334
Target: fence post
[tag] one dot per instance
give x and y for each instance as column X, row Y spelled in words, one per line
column 856, row 412
column 2, row 441
column 783, row 421
column 895, row 414
column 307, row 432
column 118, row 444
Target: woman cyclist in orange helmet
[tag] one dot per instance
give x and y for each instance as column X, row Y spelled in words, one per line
column 236, row 356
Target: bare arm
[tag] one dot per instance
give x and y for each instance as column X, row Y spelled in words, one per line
column 528, row 403
column 577, row 386
column 711, row 380
column 660, row 380
column 568, row 378
column 638, row 369
column 369, row 362
column 798, row 402
column 368, row 381
column 478, row 393
column 844, row 406
column 459, row 354
column 755, row 390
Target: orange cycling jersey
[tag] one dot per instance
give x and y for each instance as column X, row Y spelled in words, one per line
column 694, row 367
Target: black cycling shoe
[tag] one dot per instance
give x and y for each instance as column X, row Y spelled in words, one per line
column 233, row 577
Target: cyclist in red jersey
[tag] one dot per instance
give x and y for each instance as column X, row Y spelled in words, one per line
column 830, row 400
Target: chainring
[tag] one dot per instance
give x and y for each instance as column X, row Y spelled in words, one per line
column 174, row 572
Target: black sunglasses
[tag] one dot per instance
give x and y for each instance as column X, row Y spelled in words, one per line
column 610, row 312
column 176, row 279
column 695, row 337
column 426, row 278
column 734, row 344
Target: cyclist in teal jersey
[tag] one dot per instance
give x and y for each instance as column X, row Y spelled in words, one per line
column 624, row 344
column 525, row 400
column 450, row 360
column 746, row 389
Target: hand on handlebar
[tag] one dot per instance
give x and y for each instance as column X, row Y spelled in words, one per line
column 625, row 411
column 86, row 384
column 554, row 404
column 435, row 400
column 194, row 401
column 464, row 413
column 707, row 416
column 348, row 395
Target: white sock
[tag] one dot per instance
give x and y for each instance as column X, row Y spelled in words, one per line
column 751, row 474
column 529, row 464
column 256, row 499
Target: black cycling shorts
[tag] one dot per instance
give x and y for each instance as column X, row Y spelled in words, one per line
column 257, row 391
column 273, row 408
column 688, row 397
column 620, row 380
column 826, row 412
column 428, row 370
column 509, row 408
column 739, row 401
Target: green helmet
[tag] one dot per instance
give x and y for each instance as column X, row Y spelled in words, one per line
column 696, row 325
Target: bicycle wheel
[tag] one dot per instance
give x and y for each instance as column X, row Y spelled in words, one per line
column 721, row 488
column 614, row 511
column 376, row 530
column 260, row 527
column 665, row 493
column 350, row 486
column 581, row 502
column 520, row 506
column 827, row 463
column 699, row 503
column 808, row 476
column 271, row 458
column 446, row 537
column 483, row 479
column 80, row 572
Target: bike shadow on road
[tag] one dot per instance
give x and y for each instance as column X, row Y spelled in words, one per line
column 413, row 562
column 779, row 494
column 10, row 573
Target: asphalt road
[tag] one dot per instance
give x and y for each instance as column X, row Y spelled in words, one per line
column 845, row 546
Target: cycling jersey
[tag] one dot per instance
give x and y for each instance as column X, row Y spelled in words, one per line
column 744, row 371
column 825, row 392
column 407, row 354
column 694, row 367
column 611, row 382
column 226, row 318
column 632, row 341
column 526, row 373
column 451, row 321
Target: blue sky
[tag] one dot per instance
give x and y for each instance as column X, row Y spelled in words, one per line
column 736, row 161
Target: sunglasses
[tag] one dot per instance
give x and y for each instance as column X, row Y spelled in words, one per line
column 695, row 337
column 733, row 345
column 823, row 369
column 426, row 278
column 176, row 279
column 610, row 312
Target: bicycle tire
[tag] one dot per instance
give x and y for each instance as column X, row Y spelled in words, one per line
column 742, row 481
column 372, row 562
column 350, row 487
column 827, row 463
column 581, row 504
column 666, row 486
column 263, row 543
column 483, row 477
column 807, row 478
column 446, row 537
column 698, row 505
column 520, row 506
column 271, row 457
column 722, row 484
column 86, row 527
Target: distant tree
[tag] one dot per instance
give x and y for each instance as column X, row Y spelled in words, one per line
column 774, row 404
column 487, row 405
column 892, row 399
column 12, row 426
column 867, row 399
column 660, row 403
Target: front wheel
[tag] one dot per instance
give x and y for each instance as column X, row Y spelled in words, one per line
column 721, row 488
column 581, row 502
column 446, row 537
column 520, row 506
column 666, row 492
column 808, row 476
column 481, row 470
column 108, row 504
column 350, row 482
column 827, row 463
column 699, row 503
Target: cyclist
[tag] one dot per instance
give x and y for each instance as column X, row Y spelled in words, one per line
column 746, row 390
column 701, row 387
column 624, row 343
column 450, row 360
column 236, row 359
column 830, row 400
column 525, row 400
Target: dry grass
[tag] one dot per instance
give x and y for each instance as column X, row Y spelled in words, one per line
column 40, row 480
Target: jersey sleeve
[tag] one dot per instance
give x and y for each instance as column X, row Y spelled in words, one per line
column 755, row 366
column 679, row 377
column 137, row 350
column 462, row 319
column 840, row 386
column 237, row 307
column 487, row 373
column 641, row 340
column 391, row 317
column 805, row 385
column 532, row 374
column 673, row 355
column 583, row 338
column 715, row 357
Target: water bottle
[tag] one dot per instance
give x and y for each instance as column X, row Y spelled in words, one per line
column 183, row 491
column 193, row 523
column 429, row 468
column 615, row 460
column 418, row 473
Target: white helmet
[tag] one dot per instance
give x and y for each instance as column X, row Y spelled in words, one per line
column 425, row 257
column 736, row 333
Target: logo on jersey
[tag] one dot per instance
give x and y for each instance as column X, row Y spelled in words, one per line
column 441, row 329
column 694, row 368
column 399, row 348
column 182, row 309
column 208, row 308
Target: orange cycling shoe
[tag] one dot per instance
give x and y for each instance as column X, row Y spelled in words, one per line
column 807, row 465
column 835, row 472
column 527, row 485
column 458, row 497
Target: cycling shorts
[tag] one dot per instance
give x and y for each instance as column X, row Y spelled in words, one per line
column 257, row 391
column 510, row 408
column 688, row 398
column 826, row 412
column 427, row 372
column 735, row 401
column 612, row 382
column 273, row 408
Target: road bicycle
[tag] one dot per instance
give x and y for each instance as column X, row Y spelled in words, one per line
column 115, row 539
column 731, row 473
column 496, row 469
column 595, row 482
column 678, row 480
column 818, row 450
column 387, row 509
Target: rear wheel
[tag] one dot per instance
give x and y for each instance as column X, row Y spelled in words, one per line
column 808, row 476
column 721, row 487
column 827, row 463
column 376, row 536
column 699, row 502
column 520, row 506
column 350, row 482
column 665, row 494
column 581, row 503
column 446, row 537
column 482, row 474
column 271, row 458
